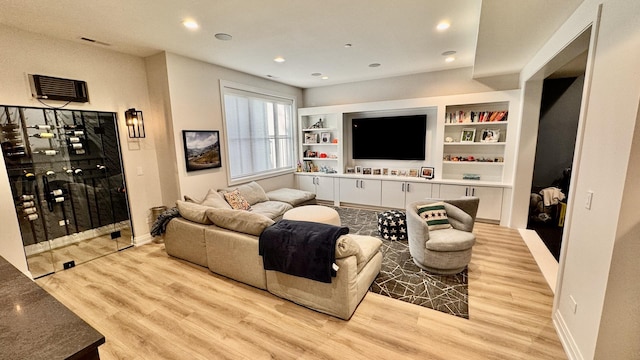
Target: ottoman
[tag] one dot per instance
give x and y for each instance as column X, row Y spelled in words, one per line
column 392, row 225
column 314, row 213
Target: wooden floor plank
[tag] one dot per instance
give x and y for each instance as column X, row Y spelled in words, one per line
column 149, row 305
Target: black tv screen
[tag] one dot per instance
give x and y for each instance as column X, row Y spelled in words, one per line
column 389, row 138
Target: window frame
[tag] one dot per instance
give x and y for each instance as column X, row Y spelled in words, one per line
column 229, row 87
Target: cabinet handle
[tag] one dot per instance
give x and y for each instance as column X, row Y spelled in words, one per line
column 361, row 184
column 402, row 187
column 473, row 191
column 357, row 184
column 408, row 187
column 466, row 191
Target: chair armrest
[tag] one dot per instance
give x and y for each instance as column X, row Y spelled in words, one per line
column 462, row 212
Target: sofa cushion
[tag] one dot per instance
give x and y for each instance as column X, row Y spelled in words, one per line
column 237, row 201
column 435, row 215
column 252, row 192
column 213, row 199
column 369, row 247
column 293, row 197
column 450, row 240
column 239, row 220
column 271, row 209
column 194, row 212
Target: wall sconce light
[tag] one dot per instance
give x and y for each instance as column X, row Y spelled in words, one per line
column 135, row 123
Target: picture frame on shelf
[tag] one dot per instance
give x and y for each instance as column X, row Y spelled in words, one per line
column 394, row 172
column 490, row 135
column 402, row 172
column 325, row 137
column 310, row 138
column 366, row 171
column 413, row 172
column 310, row 154
column 201, row 149
column 426, row 172
column 350, row 170
column 468, row 135
column 385, row 171
column 376, row 171
column 358, row 169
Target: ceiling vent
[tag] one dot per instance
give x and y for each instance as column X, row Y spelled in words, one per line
column 53, row 88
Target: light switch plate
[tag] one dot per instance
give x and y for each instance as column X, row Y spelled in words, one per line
column 587, row 203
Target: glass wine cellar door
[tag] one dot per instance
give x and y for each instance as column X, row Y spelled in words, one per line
column 66, row 178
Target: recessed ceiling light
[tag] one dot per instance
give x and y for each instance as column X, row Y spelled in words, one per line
column 223, row 36
column 448, row 53
column 324, row 77
column 279, row 59
column 190, row 24
column 316, row 74
column 450, row 59
column 271, row 76
column 374, row 65
column 348, row 45
column 443, row 25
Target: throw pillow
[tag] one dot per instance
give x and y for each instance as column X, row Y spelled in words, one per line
column 435, row 215
column 193, row 212
column 241, row 221
column 213, row 199
column 252, row 192
column 237, row 201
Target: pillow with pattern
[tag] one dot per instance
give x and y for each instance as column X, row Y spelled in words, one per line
column 237, row 201
column 435, row 215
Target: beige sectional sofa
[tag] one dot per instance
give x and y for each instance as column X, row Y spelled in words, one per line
column 225, row 240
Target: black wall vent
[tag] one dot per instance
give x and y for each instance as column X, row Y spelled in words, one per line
column 53, row 88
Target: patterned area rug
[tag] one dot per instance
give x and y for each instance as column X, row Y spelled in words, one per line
column 401, row 279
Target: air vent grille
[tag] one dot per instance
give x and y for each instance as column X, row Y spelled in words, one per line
column 53, row 88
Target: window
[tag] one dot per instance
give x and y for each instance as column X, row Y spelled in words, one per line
column 259, row 133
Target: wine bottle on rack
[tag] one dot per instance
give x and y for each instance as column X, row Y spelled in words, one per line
column 28, row 204
column 73, row 139
column 76, row 146
column 26, row 197
column 72, row 127
column 57, row 192
column 48, row 152
column 75, row 133
column 42, row 127
column 29, row 210
column 45, row 135
column 32, row 217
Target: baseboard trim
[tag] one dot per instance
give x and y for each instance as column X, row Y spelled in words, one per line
column 568, row 343
column 142, row 239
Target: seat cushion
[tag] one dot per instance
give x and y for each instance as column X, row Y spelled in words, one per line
column 369, row 247
column 294, row 197
column 450, row 240
column 271, row 209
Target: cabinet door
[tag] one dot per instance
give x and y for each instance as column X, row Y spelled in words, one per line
column 306, row 183
column 324, row 188
column 453, row 191
column 359, row 191
column 415, row 191
column 393, row 194
column 490, row 207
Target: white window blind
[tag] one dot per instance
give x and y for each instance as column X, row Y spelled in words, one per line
column 259, row 134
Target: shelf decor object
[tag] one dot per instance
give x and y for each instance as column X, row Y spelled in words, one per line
column 490, row 135
column 135, row 123
column 468, row 135
column 426, row 172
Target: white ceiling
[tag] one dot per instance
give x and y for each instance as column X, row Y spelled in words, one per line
column 496, row 37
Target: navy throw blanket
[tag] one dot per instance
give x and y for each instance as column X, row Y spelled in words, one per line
column 301, row 248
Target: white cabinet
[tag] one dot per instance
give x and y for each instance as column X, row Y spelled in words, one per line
column 490, row 207
column 360, row 191
column 322, row 186
column 397, row 194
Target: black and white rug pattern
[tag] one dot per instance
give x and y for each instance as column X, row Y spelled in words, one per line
column 400, row 278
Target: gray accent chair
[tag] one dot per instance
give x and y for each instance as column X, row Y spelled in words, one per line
column 443, row 251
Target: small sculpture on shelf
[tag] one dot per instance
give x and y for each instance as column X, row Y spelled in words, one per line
column 318, row 125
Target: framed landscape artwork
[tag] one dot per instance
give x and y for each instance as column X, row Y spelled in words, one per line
column 201, row 149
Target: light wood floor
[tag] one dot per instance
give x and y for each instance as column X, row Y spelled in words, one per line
column 150, row 306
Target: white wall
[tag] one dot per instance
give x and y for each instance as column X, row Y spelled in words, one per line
column 195, row 104
column 115, row 83
column 439, row 83
column 606, row 166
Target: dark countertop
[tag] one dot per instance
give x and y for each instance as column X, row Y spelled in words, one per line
column 34, row 325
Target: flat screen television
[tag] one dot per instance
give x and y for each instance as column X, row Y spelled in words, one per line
column 389, row 138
